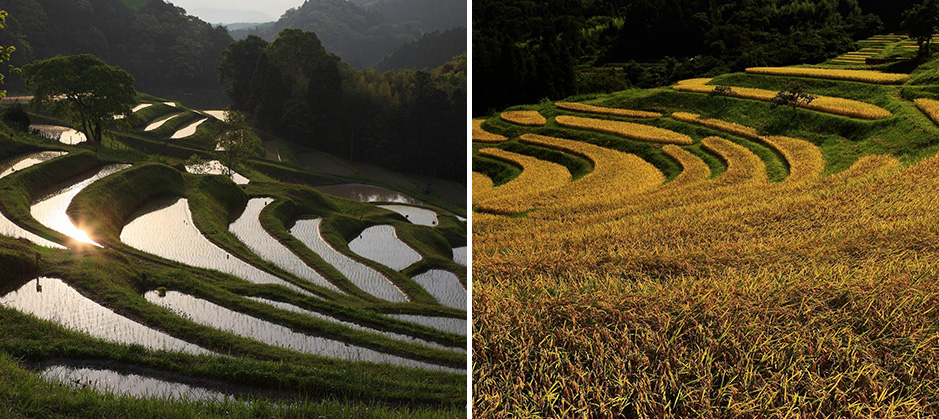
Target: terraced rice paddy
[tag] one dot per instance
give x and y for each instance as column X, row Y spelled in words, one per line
column 128, row 384
column 381, row 244
column 825, row 73
column 367, row 193
column 50, row 210
column 626, row 113
column 213, row 315
column 248, row 229
column 164, row 227
column 52, row 299
column 64, row 135
column 220, row 115
column 10, row 166
column 444, row 286
column 141, row 107
column 446, row 324
column 419, row 216
column 188, row 130
column 538, row 179
column 459, row 255
column 483, row 136
column 364, row 277
column 623, row 129
column 396, row 336
column 215, row 167
column 159, row 123
column 528, row 118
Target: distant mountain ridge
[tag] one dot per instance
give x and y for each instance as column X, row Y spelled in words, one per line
column 364, row 33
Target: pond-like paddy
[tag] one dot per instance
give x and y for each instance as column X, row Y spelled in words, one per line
column 446, row 324
column 10, row 166
column 159, row 123
column 213, row 315
column 395, row 336
column 367, row 193
column 164, row 227
column 220, row 115
column 415, row 215
column 64, row 135
column 128, row 384
column 364, row 277
column 141, row 106
column 444, row 286
column 189, row 130
column 50, row 210
column 215, row 167
column 54, row 300
column 381, row 244
column 249, row 230
column 459, row 255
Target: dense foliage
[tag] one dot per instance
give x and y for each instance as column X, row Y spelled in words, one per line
column 431, row 51
column 408, row 120
column 526, row 51
column 362, row 35
column 168, row 53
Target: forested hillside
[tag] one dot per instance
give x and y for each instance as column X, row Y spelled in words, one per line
column 431, row 51
column 525, row 51
column 362, row 35
column 167, row 52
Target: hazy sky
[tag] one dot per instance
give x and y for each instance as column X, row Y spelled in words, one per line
column 232, row 11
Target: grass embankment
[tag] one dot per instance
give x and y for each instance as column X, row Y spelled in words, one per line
column 734, row 295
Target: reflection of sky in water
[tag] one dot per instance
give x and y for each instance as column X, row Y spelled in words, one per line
column 54, row 300
column 159, row 123
column 381, row 244
column 141, row 106
column 189, row 130
column 415, row 215
column 133, row 385
column 215, row 167
column 446, row 324
column 367, row 193
column 212, row 315
column 444, row 286
column 459, row 255
column 61, row 134
column 50, row 211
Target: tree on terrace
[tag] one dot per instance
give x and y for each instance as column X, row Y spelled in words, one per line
column 921, row 22
column 82, row 88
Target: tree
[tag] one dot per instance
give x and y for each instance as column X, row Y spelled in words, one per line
column 722, row 91
column 794, row 97
column 235, row 143
column 921, row 22
column 82, row 88
column 5, row 52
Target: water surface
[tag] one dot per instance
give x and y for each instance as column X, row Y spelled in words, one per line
column 367, row 193
column 446, row 324
column 415, row 215
column 459, row 255
column 213, row 315
column 159, row 123
column 64, row 135
column 189, row 130
column 54, row 300
column 7, row 167
column 249, row 230
column 364, row 277
column 381, row 244
column 127, row 384
column 444, row 286
column 215, row 167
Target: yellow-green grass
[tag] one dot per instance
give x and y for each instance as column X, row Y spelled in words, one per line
column 481, row 184
column 530, row 189
column 626, row 113
column 483, row 136
column 833, row 105
column 864, row 76
column 930, row 107
column 625, row 129
column 742, row 165
column 693, row 168
column 526, row 118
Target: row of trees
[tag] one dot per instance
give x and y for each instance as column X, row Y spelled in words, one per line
column 412, row 121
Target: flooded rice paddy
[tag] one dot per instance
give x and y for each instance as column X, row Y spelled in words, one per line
column 364, row 277
column 141, row 107
column 54, row 300
column 164, row 227
column 128, row 384
column 159, row 123
column 50, row 210
column 396, row 336
column 367, row 193
column 64, row 135
column 7, row 167
column 446, row 324
column 189, row 130
column 444, row 286
column 415, row 215
column 215, row 167
column 459, row 255
column 220, row 115
column 381, row 244
column 213, row 315
column 249, row 230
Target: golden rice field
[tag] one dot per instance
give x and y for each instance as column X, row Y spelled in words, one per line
column 626, row 113
column 864, row 76
column 527, row 118
column 537, row 179
column 481, row 135
column 833, row 105
column 624, row 129
column 929, row 107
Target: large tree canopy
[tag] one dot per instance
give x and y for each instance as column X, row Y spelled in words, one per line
column 82, row 88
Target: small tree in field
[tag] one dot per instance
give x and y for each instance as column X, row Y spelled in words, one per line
column 722, row 91
column 82, row 88
column 793, row 97
column 235, row 143
column 921, row 22
column 5, row 52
